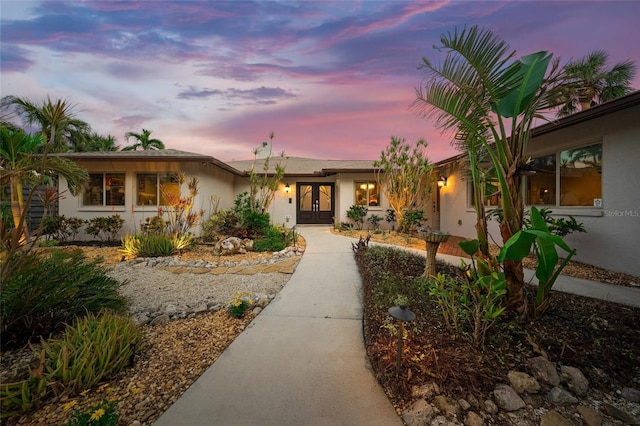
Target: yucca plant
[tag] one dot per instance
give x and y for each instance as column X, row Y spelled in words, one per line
column 23, row 395
column 93, row 348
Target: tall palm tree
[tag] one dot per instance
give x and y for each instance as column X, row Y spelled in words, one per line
column 143, row 140
column 56, row 119
column 589, row 82
column 489, row 99
column 97, row 142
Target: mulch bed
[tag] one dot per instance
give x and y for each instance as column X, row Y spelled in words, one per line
column 596, row 336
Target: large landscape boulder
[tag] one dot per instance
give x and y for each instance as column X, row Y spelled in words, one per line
column 232, row 245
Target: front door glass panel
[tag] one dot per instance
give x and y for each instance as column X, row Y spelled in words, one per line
column 306, row 200
column 325, row 198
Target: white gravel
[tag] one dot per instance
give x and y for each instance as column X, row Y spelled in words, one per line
column 152, row 289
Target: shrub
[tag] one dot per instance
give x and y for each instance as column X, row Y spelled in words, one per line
column 223, row 222
column 61, row 228
column 374, row 220
column 23, row 395
column 412, row 220
column 105, row 228
column 154, row 225
column 240, row 304
column 103, row 414
column 256, row 223
column 47, row 289
column 357, row 214
column 93, row 348
column 273, row 240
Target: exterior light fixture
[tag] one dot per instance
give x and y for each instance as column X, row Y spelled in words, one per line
column 442, row 181
column 287, row 190
column 402, row 314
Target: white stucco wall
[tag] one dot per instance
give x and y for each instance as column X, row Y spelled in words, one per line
column 213, row 182
column 612, row 241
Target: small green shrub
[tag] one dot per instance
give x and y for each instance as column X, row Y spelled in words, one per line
column 48, row 289
column 223, row 222
column 105, row 228
column 92, row 349
column 357, row 214
column 256, row 223
column 374, row 220
column 273, row 240
column 154, row 225
column 61, row 228
column 412, row 220
column 240, row 304
column 103, row 414
column 22, row 396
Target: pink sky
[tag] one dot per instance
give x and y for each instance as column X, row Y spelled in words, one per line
column 332, row 80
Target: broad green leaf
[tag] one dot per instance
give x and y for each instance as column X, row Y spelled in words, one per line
column 517, row 247
column 470, row 247
column 531, row 74
column 537, row 220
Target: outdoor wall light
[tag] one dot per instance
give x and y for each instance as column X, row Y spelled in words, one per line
column 442, row 181
column 287, row 190
column 402, row 314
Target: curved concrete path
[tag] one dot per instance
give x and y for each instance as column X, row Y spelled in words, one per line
column 302, row 361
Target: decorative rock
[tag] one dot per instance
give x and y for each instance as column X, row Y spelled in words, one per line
column 544, row 370
column 446, row 405
column 442, row 421
column 418, row 414
column 473, row 401
column 490, row 407
column 507, row 398
column 630, row 394
column 473, row 419
column 427, row 391
column 464, row 404
column 560, row 396
column 619, row 414
column 590, row 416
column 140, row 318
column 574, row 379
column 256, row 310
column 228, row 246
column 553, row 418
column 160, row 319
column 522, row 382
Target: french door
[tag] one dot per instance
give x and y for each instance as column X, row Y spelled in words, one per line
column 315, row 203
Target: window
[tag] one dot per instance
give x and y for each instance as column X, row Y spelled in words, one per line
column 367, row 194
column 156, row 186
column 104, row 189
column 541, row 186
column 579, row 183
column 492, row 199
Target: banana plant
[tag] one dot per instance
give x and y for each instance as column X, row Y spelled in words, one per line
column 544, row 245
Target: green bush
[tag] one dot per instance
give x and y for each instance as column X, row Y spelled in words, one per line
column 223, row 222
column 357, row 214
column 103, row 414
column 273, row 240
column 105, row 228
column 92, row 349
column 21, row 396
column 256, row 224
column 61, row 228
column 412, row 220
column 47, row 289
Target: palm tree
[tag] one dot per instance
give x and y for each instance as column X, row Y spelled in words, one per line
column 589, row 83
column 489, row 99
column 96, row 142
column 57, row 121
column 143, row 140
column 22, row 164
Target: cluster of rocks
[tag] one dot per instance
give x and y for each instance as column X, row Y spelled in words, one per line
column 546, row 396
column 141, row 315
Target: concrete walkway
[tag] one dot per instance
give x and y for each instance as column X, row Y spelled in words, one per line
column 302, row 361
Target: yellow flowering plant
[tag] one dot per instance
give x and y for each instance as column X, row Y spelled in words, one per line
column 103, row 414
column 240, row 303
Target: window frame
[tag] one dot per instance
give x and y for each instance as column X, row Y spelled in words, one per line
column 357, row 185
column 104, row 190
column 158, row 191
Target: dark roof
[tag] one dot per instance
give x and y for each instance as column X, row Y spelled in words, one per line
column 298, row 166
column 152, row 154
column 619, row 104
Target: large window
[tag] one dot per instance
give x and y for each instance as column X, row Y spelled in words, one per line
column 568, row 178
column 367, row 194
column 152, row 187
column 104, row 189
